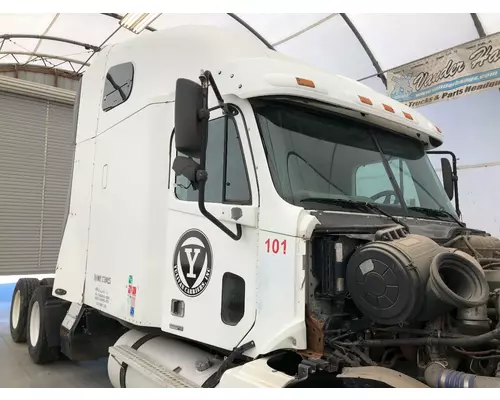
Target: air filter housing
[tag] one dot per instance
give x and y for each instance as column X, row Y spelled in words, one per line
column 389, row 280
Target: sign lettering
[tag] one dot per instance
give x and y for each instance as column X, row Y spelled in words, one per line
column 457, row 72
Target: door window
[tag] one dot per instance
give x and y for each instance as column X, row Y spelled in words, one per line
column 225, row 164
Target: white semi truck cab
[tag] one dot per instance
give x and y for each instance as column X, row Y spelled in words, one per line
column 240, row 219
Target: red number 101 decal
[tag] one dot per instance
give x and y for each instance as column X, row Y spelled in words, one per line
column 275, row 246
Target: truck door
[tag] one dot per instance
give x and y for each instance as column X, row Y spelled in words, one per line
column 210, row 278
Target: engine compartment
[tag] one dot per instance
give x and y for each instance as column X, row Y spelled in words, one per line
column 406, row 302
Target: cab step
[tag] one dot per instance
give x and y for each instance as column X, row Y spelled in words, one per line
column 146, row 366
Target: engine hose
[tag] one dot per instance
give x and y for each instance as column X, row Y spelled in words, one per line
column 437, row 376
column 429, row 341
column 453, row 241
column 420, row 332
column 486, row 261
column 497, row 308
column 467, row 243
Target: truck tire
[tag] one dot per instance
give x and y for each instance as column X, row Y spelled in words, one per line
column 38, row 346
column 19, row 308
column 47, row 282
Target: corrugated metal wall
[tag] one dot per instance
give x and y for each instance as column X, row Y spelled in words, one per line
column 36, row 158
column 51, row 79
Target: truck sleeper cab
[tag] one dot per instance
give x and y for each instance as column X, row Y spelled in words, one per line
column 215, row 213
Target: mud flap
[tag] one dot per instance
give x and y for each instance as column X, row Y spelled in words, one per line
column 86, row 334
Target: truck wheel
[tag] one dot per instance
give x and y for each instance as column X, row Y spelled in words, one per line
column 47, row 282
column 19, row 308
column 38, row 346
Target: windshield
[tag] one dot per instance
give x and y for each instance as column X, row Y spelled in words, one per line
column 316, row 157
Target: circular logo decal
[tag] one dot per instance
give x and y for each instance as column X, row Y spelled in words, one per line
column 192, row 263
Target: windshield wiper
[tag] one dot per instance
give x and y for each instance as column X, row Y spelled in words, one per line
column 359, row 205
column 437, row 213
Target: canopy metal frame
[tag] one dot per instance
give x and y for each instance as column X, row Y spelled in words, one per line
column 93, row 49
column 9, row 36
column 44, row 57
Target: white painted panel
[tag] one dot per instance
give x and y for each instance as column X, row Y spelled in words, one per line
column 128, row 218
column 72, row 257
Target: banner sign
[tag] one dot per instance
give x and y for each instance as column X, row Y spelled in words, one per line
column 457, row 72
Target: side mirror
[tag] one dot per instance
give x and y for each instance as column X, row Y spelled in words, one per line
column 188, row 119
column 448, row 177
column 191, row 130
column 186, row 167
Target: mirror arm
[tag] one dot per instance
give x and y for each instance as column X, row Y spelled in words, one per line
column 216, row 108
column 201, row 175
column 202, row 178
column 455, row 175
column 207, row 79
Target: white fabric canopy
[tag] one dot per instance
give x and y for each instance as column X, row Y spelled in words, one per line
column 324, row 40
column 338, row 43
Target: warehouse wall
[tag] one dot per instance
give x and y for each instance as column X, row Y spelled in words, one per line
column 41, row 75
column 36, row 158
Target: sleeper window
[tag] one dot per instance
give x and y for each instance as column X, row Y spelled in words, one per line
column 118, row 85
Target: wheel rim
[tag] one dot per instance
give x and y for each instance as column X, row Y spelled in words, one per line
column 16, row 309
column 35, row 323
